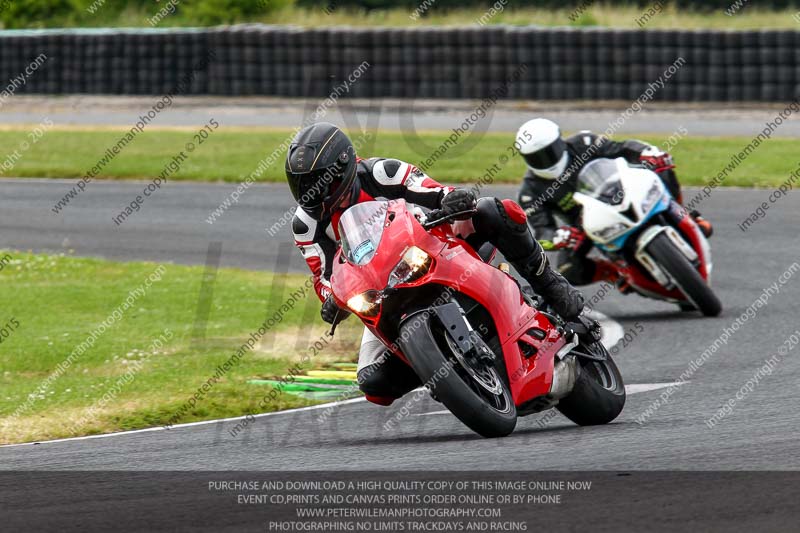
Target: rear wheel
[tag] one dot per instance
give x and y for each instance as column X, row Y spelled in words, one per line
column 474, row 392
column 684, row 275
column 599, row 393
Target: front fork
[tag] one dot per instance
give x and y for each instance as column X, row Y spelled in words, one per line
column 474, row 349
column 644, row 259
column 461, row 332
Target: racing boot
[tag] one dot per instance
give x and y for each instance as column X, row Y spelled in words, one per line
column 566, row 300
column 703, row 224
column 507, row 227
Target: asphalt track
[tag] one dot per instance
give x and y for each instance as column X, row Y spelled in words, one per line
column 760, row 433
column 644, row 465
column 406, row 115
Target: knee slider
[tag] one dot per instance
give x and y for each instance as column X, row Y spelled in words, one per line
column 493, row 217
column 514, row 212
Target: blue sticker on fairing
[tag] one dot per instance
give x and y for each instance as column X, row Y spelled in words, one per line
column 619, row 242
column 363, row 250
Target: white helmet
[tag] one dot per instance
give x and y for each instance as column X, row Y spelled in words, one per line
column 545, row 152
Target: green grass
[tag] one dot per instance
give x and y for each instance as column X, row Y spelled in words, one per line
column 597, row 15
column 750, row 17
column 231, row 155
column 58, row 300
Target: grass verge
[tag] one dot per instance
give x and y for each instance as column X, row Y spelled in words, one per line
column 232, row 155
column 597, row 14
column 52, row 303
column 671, row 17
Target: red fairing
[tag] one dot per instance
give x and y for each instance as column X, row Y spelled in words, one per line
column 456, row 265
column 689, row 228
column 320, row 242
column 636, row 277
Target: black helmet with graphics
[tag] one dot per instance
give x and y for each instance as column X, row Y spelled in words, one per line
column 321, row 169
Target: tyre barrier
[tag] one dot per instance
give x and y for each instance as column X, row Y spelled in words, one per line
column 470, row 62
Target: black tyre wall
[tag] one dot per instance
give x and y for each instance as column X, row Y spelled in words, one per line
column 445, row 63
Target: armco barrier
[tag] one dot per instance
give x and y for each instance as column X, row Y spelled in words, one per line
column 572, row 64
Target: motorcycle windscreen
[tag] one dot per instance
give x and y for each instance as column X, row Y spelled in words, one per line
column 600, row 179
column 361, row 229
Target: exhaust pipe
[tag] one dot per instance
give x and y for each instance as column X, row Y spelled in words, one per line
column 565, row 374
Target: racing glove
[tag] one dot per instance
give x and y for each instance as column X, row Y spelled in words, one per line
column 330, row 309
column 569, row 238
column 458, row 201
column 656, row 160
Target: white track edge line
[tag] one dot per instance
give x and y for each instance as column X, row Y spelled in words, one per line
column 611, row 330
column 188, row 424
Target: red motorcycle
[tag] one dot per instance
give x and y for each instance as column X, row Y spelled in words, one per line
column 485, row 349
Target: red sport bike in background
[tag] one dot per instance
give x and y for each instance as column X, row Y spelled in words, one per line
column 487, row 351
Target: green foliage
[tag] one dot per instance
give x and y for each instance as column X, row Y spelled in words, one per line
column 33, row 13
column 554, row 4
column 584, row 20
column 612, row 13
column 211, row 12
column 95, row 13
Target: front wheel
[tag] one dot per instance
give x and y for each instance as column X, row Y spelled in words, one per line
column 599, row 393
column 474, row 393
column 684, row 275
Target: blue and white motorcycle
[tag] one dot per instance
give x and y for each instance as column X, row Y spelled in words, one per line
column 655, row 245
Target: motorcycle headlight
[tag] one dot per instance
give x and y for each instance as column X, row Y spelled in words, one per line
column 365, row 304
column 414, row 264
column 611, row 232
column 653, row 195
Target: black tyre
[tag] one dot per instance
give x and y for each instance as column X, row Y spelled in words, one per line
column 685, row 276
column 433, row 357
column 599, row 393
